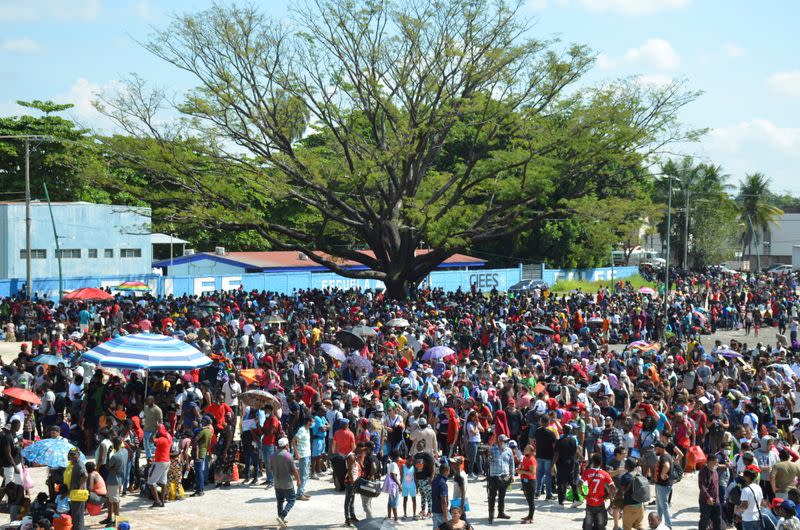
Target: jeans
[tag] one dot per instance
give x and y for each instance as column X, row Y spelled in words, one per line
column 596, row 518
column 544, row 476
column 529, row 489
column 662, row 503
column 304, row 467
column 149, row 447
column 349, row 502
column 250, row 458
column 746, row 525
column 76, row 510
column 437, row 519
column 267, row 450
column 497, row 490
column 710, row 516
column 200, row 474
column 284, row 496
column 472, row 458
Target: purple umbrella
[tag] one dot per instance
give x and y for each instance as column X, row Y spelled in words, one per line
column 333, row 351
column 359, row 361
column 727, row 352
column 436, row 353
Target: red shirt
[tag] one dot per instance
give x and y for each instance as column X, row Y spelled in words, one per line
column 163, row 445
column 218, row 412
column 271, row 428
column 308, row 395
column 345, row 441
column 597, row 480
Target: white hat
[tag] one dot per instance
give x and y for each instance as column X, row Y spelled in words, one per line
column 283, row 442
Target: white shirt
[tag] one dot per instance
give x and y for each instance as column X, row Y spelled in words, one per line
column 753, row 496
column 231, row 390
column 74, row 391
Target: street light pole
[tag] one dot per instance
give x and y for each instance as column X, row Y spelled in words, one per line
column 685, row 262
column 28, row 275
column 666, row 258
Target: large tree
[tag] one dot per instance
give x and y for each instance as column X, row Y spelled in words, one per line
column 386, row 125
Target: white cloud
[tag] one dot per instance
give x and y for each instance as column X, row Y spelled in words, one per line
column 786, row 83
column 605, row 62
column 655, row 80
column 23, row 45
column 733, row 50
column 27, row 10
column 82, row 94
column 655, row 53
column 634, row 7
column 758, row 135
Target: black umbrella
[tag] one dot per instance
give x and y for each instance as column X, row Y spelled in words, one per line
column 349, row 339
column 544, row 330
column 363, row 331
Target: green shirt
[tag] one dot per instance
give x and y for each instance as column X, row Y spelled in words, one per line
column 203, row 439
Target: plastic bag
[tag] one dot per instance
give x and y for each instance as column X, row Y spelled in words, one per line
column 27, row 481
column 695, row 458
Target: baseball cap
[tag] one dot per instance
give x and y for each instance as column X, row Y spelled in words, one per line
column 754, row 468
column 502, row 438
column 283, row 442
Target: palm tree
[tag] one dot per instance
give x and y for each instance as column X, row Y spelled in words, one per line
column 755, row 212
column 691, row 184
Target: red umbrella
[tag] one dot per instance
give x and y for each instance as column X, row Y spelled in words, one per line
column 87, row 293
column 22, row 395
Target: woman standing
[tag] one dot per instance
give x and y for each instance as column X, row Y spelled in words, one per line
column 527, row 474
column 226, row 455
column 354, row 471
column 473, row 433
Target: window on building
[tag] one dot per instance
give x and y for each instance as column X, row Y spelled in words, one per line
column 92, row 252
column 68, row 253
column 108, row 253
column 36, row 253
column 130, row 253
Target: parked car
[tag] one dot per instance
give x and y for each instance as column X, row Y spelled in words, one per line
column 528, row 285
column 780, row 269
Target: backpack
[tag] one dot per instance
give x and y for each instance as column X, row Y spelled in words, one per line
column 640, row 489
column 675, row 473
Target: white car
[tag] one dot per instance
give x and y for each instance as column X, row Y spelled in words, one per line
column 780, row 269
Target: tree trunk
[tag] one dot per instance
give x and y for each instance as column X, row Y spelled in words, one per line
column 400, row 288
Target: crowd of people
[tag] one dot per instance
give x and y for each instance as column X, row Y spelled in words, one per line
column 601, row 398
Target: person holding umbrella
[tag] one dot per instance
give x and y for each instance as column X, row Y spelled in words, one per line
column 78, row 494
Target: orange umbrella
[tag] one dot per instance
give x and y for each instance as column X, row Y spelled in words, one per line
column 22, row 395
column 252, row 375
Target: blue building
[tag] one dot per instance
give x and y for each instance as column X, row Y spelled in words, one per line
column 96, row 240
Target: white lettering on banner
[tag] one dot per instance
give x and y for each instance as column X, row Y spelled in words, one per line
column 351, row 283
column 231, row 283
column 201, row 285
column 485, row 280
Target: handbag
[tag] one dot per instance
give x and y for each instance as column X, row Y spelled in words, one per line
column 27, row 481
column 369, row 488
column 78, row 495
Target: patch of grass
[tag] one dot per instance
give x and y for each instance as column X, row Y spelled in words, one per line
column 566, row 286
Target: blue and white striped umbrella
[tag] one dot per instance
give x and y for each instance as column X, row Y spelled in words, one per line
column 147, row 351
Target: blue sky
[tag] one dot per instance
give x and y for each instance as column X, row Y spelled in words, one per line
column 743, row 55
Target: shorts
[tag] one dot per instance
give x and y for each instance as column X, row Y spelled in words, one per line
column 394, row 500
column 10, row 476
column 112, row 492
column 158, row 474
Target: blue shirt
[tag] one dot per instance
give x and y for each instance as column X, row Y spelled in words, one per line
column 501, row 461
column 438, row 490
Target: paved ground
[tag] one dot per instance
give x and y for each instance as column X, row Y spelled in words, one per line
column 253, row 507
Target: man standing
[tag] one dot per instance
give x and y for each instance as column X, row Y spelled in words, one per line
column 270, row 429
column 231, row 390
column 636, row 488
column 710, row 509
column 440, row 506
column 158, row 472
column 77, row 482
column 200, row 445
column 784, row 475
column 427, row 435
column 283, row 472
column 545, row 449
column 301, row 444
column 663, row 482
column 10, row 457
column 601, row 487
column 750, row 506
column 501, row 473
column 564, row 459
column 152, row 418
column 115, row 481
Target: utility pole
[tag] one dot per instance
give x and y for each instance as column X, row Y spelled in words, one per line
column 666, row 258
column 27, row 139
column 28, row 275
column 685, row 262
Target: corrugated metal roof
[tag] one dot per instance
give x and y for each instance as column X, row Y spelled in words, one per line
column 287, row 259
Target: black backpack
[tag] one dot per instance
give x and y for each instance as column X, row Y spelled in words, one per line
column 640, row 488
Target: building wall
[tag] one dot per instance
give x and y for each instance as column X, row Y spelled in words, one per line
column 783, row 236
column 204, row 267
column 81, row 227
